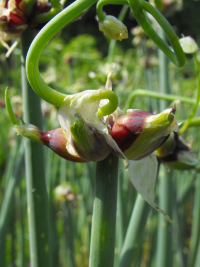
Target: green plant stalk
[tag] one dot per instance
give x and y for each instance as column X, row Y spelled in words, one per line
column 12, row 156
column 102, row 3
column 176, row 55
column 8, row 204
column 22, row 249
column 195, row 226
column 164, row 233
column 164, row 246
column 37, row 200
column 158, row 95
column 119, row 220
column 43, row 37
column 134, row 233
column 112, row 44
column 104, row 213
column 152, row 104
column 197, row 261
column 177, row 228
column 187, row 123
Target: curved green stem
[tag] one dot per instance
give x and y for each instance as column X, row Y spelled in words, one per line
column 195, row 122
column 185, row 126
column 11, row 114
column 111, row 106
column 44, row 17
column 38, row 44
column 157, row 95
column 138, row 6
column 36, row 81
column 102, row 3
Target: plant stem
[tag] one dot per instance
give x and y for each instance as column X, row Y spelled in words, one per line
column 133, row 239
column 8, row 203
column 104, row 213
column 158, row 95
column 164, row 246
column 195, row 226
column 185, row 126
column 37, row 200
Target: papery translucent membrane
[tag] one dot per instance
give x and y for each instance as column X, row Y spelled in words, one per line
column 143, row 177
column 81, row 104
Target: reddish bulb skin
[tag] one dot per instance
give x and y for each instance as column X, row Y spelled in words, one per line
column 128, row 128
column 56, row 141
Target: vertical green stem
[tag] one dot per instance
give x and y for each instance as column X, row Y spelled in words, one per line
column 164, row 232
column 133, row 239
column 37, row 200
column 195, row 238
column 104, row 214
column 8, row 204
column 164, row 246
column 192, row 114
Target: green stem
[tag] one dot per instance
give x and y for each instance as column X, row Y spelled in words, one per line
column 195, row 226
column 185, row 126
column 137, row 7
column 194, row 122
column 8, row 203
column 102, row 3
column 104, row 214
column 164, row 236
column 112, row 41
column 134, row 234
column 9, row 109
column 37, row 200
column 38, row 44
column 164, row 247
column 157, row 95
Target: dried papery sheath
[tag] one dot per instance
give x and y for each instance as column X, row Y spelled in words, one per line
column 143, row 175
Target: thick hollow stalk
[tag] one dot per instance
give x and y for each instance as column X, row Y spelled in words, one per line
column 134, row 234
column 164, row 232
column 37, row 200
column 104, row 214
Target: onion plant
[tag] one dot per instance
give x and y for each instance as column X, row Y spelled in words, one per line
column 93, row 129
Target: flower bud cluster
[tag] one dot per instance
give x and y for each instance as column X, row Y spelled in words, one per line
column 138, row 133
column 16, row 15
column 176, row 154
column 133, row 135
column 113, row 28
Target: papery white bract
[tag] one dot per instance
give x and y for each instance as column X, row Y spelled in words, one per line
column 143, row 175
